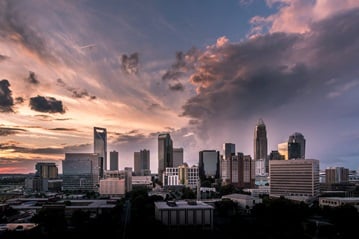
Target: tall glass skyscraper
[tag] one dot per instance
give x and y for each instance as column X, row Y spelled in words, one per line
column 165, row 153
column 100, row 146
column 298, row 138
column 260, row 144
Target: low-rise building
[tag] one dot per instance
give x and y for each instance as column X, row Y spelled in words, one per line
column 243, row 200
column 185, row 213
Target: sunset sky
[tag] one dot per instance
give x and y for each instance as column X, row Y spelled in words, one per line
column 205, row 71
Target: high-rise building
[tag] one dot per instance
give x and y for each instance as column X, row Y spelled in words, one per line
column 229, row 150
column 336, row 175
column 100, row 146
column 298, row 178
column 275, row 155
column 46, row 170
column 289, row 150
column 142, row 163
column 298, row 138
column 208, row 164
column 260, row 144
column 114, row 160
column 165, row 153
column 80, row 172
column 177, row 157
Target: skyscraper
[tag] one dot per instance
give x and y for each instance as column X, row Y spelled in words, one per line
column 142, row 163
column 100, row 146
column 260, row 144
column 177, row 157
column 298, row 138
column 165, row 153
column 46, row 170
column 114, row 160
column 229, row 150
column 208, row 164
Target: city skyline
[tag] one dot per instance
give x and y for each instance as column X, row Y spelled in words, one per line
column 205, row 73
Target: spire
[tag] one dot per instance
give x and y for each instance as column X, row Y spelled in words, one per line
column 260, row 121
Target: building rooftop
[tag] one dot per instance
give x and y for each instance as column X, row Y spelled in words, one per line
column 239, row 196
column 182, row 205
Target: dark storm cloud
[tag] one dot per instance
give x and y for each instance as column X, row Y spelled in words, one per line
column 176, row 87
column 76, row 93
column 15, row 27
column 129, row 64
column 264, row 73
column 63, row 129
column 132, row 136
column 3, row 58
column 183, row 64
column 46, row 104
column 4, row 131
column 19, row 100
column 6, row 100
column 32, row 78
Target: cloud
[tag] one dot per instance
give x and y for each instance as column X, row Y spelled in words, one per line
column 3, row 58
column 16, row 28
column 183, row 64
column 176, row 87
column 129, row 63
column 32, row 79
column 76, row 93
column 4, row 131
column 63, row 129
column 262, row 74
column 132, row 136
column 19, row 100
column 6, row 100
column 46, row 104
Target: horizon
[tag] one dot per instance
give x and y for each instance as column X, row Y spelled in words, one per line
column 205, row 73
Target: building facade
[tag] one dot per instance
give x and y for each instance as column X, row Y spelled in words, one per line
column 298, row 178
column 142, row 163
column 100, row 147
column 336, row 175
column 165, row 153
column 80, row 172
column 260, row 144
column 114, row 160
column 298, row 138
column 208, row 164
column 177, row 157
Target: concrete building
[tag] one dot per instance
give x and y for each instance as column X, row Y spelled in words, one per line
column 112, row 187
column 243, row 200
column 165, row 153
column 185, row 214
column 142, row 163
column 228, row 150
column 125, row 174
column 177, row 157
column 182, row 175
column 338, row 201
column 336, row 175
column 114, row 160
column 298, row 178
column 142, row 181
column 46, row 170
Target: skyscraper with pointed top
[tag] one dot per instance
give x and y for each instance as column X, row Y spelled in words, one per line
column 261, row 146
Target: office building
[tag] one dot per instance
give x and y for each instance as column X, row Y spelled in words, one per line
column 177, row 157
column 100, row 147
column 142, row 163
column 260, row 144
column 228, row 150
column 114, row 160
column 335, row 175
column 298, row 138
column 275, row 155
column 112, row 187
column 46, row 170
column 185, row 213
column 80, row 172
column 165, row 153
column 182, row 175
column 290, row 150
column 299, row 178
column 208, row 164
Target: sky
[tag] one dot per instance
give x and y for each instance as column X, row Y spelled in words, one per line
column 203, row 72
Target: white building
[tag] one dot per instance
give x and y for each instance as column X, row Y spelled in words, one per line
column 142, row 181
column 339, row 201
column 112, row 187
column 183, row 213
column 182, row 175
column 243, row 200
